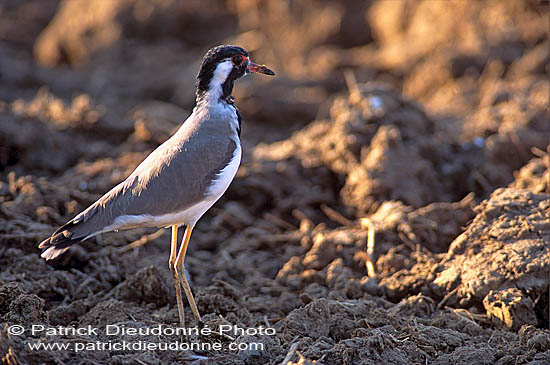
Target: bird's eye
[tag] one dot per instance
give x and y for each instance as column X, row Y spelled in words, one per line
column 237, row 60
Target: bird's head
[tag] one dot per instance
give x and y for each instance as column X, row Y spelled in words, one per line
column 220, row 67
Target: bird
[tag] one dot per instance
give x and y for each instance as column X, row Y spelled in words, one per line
column 182, row 178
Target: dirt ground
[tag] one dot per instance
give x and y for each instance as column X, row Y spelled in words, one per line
column 425, row 123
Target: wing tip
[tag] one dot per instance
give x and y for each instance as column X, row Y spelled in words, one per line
column 45, row 243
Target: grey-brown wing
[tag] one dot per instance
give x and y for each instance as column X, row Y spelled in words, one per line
column 174, row 177
column 168, row 181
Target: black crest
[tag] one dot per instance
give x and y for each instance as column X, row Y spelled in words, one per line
column 209, row 63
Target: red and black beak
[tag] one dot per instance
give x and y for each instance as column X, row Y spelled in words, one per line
column 252, row 67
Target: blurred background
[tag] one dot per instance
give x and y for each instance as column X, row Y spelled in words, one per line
column 407, row 112
column 102, row 63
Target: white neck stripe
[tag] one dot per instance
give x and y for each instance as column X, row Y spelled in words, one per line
column 222, row 71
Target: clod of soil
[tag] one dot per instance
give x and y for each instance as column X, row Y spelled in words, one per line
column 505, row 246
column 510, row 308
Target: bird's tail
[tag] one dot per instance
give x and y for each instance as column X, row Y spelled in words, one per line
column 95, row 219
column 60, row 241
column 78, row 229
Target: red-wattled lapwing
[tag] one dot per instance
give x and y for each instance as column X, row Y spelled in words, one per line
column 180, row 180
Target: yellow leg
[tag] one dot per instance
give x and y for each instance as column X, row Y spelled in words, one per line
column 180, row 271
column 172, row 264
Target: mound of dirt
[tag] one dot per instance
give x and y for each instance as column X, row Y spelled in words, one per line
column 505, row 246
